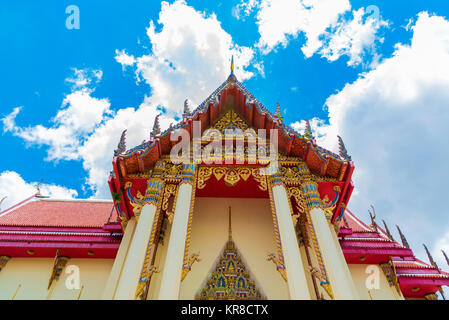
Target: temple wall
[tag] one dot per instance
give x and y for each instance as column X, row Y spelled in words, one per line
column 252, row 229
column 360, row 274
column 33, row 275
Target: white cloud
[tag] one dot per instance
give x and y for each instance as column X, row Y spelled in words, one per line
column 16, row 189
column 190, row 57
column 393, row 120
column 79, row 115
column 325, row 24
column 124, row 58
column 354, row 38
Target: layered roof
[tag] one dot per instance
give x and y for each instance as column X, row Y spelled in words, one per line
column 39, row 226
column 233, row 94
column 45, row 212
column 371, row 244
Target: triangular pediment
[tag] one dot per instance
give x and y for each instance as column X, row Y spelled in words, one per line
column 231, row 278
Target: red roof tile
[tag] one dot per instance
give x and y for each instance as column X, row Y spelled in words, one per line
column 59, row 213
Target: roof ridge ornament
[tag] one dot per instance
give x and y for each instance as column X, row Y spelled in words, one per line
column 373, row 219
column 156, row 127
column 445, row 256
column 342, row 149
column 278, row 113
column 403, row 239
column 186, row 112
column 432, row 262
column 121, row 147
column 308, row 130
column 232, row 77
column 390, row 236
column 1, row 201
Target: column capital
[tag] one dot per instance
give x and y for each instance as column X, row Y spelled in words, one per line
column 188, row 173
column 309, row 189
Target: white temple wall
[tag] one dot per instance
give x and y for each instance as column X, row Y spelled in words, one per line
column 361, row 273
column 33, row 275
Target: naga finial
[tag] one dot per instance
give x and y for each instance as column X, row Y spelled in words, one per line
column 387, row 230
column 121, row 147
column 308, row 130
column 342, row 150
column 432, row 262
column 156, row 127
column 403, row 239
column 445, row 256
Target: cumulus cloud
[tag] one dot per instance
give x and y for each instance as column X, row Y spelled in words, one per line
column 16, row 189
column 78, row 116
column 190, row 57
column 330, row 28
column 393, row 120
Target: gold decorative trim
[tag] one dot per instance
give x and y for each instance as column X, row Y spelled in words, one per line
column 189, row 226
column 231, row 175
column 275, row 225
column 3, row 261
column 59, row 264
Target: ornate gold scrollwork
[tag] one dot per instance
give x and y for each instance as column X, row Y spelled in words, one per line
column 231, row 176
column 279, row 265
column 142, row 287
column 204, row 174
column 194, row 257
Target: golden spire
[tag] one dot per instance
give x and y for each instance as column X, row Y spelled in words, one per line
column 229, row 227
column 232, row 64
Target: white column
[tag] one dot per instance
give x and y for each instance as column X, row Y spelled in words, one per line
column 119, row 261
column 172, row 271
column 336, row 267
column 127, row 286
column 297, row 282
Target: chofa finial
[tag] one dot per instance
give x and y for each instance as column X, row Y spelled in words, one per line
column 121, row 147
column 373, row 218
column 38, row 187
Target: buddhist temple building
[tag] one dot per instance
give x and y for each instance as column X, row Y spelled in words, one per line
column 244, row 208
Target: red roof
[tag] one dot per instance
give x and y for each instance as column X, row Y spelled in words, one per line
column 41, row 212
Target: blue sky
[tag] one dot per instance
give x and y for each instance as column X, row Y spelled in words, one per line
column 378, row 81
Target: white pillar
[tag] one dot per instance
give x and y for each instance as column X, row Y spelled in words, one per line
column 119, row 261
column 172, row 271
column 127, row 286
column 297, row 282
column 336, row 267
